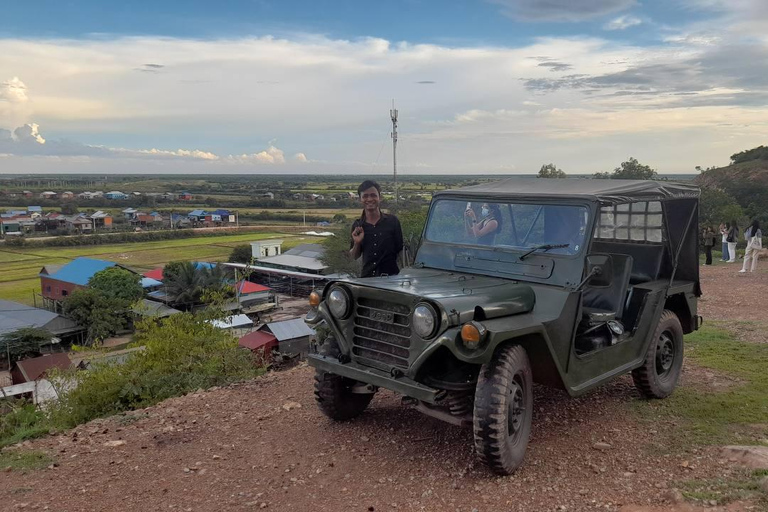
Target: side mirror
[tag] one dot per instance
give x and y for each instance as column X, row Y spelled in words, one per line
column 599, row 270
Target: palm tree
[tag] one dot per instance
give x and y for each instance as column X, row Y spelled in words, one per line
column 186, row 282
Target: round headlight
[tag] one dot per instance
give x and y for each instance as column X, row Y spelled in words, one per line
column 424, row 320
column 338, row 303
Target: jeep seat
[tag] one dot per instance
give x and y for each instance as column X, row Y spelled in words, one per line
column 601, row 305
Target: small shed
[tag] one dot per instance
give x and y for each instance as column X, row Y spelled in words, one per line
column 292, row 335
column 259, row 342
column 238, row 325
column 30, row 370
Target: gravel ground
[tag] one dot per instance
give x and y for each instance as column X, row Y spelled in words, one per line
column 264, row 445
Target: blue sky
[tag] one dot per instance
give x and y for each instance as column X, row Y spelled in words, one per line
column 486, row 86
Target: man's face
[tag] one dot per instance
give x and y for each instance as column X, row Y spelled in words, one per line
column 370, row 199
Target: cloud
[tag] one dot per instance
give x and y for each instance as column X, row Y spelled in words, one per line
column 561, row 10
column 271, row 155
column 300, row 157
column 622, row 22
column 13, row 91
column 556, row 66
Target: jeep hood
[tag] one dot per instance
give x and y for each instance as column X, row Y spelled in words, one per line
column 464, row 297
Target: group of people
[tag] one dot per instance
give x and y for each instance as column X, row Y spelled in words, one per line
column 729, row 234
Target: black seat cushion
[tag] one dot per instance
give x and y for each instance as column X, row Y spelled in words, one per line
column 603, row 304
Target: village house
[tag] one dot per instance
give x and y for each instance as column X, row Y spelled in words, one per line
column 37, row 368
column 67, row 195
column 57, row 283
column 14, row 316
column 101, row 220
column 79, row 224
column 185, row 196
column 116, row 195
column 48, row 195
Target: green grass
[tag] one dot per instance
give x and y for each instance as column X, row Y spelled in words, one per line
column 20, row 267
column 726, row 490
column 20, row 460
column 721, row 417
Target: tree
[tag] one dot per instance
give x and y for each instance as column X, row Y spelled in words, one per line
column 69, row 208
column 118, row 283
column 339, row 218
column 186, row 282
column 100, row 315
column 336, row 255
column 630, row 170
column 241, row 254
column 716, row 206
column 551, row 171
column 23, row 342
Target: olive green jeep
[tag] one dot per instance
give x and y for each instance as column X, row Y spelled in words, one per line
column 579, row 282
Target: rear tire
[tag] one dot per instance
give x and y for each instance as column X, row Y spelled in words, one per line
column 335, row 399
column 503, row 410
column 658, row 376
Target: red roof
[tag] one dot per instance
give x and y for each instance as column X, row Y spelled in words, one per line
column 249, row 287
column 155, row 274
column 35, row 368
column 259, row 340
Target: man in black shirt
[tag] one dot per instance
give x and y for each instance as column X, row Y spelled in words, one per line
column 376, row 236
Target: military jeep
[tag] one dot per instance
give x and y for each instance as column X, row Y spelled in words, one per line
column 582, row 281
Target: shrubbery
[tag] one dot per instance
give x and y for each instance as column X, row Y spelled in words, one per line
column 182, row 353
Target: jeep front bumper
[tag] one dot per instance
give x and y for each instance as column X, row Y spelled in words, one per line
column 351, row 370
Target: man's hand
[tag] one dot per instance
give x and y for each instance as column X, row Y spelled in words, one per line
column 357, row 235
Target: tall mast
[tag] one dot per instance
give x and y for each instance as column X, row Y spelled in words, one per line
column 393, row 116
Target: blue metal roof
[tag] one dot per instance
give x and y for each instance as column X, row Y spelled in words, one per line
column 80, row 270
column 148, row 282
column 35, row 208
column 221, row 212
column 197, row 213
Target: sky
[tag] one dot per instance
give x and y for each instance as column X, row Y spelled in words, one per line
column 304, row 87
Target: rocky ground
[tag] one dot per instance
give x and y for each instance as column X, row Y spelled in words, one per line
column 264, row 445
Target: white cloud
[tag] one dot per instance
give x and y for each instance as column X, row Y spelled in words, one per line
column 489, row 107
column 13, row 91
column 622, row 22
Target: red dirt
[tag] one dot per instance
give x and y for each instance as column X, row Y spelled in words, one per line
column 264, row 444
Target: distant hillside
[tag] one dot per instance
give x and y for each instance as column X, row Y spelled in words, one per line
column 753, row 172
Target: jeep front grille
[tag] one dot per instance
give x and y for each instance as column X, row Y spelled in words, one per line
column 382, row 333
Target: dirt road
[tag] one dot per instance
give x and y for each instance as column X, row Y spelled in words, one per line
column 264, row 445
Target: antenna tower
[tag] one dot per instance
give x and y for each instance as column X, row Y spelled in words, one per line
column 393, row 116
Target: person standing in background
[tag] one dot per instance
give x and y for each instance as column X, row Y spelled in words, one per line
column 724, row 233
column 732, row 238
column 754, row 244
column 708, row 239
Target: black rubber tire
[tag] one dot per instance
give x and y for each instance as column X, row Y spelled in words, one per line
column 658, row 376
column 505, row 383
column 333, row 392
column 335, row 398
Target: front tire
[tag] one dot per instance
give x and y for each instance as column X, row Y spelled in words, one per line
column 658, row 376
column 335, row 398
column 503, row 410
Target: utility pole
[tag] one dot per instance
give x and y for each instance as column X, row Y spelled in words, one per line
column 393, row 116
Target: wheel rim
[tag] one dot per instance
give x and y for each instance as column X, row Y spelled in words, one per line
column 516, row 409
column 665, row 354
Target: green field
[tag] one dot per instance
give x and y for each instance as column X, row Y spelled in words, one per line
column 19, row 268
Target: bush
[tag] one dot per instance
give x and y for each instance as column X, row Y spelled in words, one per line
column 181, row 354
column 19, row 421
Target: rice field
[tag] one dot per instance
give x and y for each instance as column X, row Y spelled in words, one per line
column 19, row 268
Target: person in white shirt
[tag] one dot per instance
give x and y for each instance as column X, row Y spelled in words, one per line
column 754, row 244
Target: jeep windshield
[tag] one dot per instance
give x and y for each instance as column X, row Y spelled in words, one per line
column 553, row 229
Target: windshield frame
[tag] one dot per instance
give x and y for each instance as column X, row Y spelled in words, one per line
column 586, row 241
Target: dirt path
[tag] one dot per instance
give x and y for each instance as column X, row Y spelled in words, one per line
column 264, row 445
